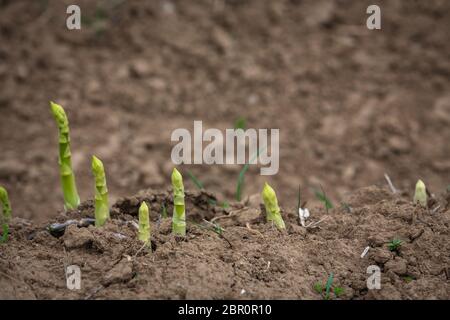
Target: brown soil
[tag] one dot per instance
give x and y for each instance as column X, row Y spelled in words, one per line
column 351, row 104
column 253, row 260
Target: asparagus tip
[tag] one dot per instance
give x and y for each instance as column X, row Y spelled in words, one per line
column 97, row 164
column 177, row 178
column 420, row 196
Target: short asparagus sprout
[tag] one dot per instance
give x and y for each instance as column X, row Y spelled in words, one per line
column 179, row 215
column 420, row 196
column 71, row 198
column 144, row 223
column 272, row 208
column 101, row 193
column 4, row 219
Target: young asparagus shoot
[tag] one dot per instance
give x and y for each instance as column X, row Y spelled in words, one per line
column 144, row 223
column 420, row 196
column 71, row 198
column 101, row 193
column 4, row 219
column 179, row 215
column 272, row 208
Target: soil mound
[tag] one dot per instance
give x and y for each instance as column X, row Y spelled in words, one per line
column 250, row 259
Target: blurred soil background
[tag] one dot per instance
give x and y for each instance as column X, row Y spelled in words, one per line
column 351, row 104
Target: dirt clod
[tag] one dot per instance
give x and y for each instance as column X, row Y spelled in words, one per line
column 75, row 237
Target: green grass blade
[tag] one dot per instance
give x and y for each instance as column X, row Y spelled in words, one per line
column 194, row 179
column 240, row 123
column 321, row 195
column 298, row 199
column 328, row 286
column 240, row 181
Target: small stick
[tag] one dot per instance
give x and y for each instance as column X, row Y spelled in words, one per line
column 391, row 186
column 253, row 230
column 222, row 217
column 363, row 254
column 434, row 210
column 315, row 224
column 94, row 292
column 142, row 248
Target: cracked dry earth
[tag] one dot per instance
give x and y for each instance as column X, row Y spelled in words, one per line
column 252, row 261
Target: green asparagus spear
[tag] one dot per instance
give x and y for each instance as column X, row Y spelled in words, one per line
column 178, row 219
column 71, row 198
column 101, row 193
column 6, row 206
column 144, row 223
column 272, row 208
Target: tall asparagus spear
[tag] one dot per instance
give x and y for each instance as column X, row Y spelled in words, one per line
column 179, row 217
column 6, row 206
column 144, row 223
column 272, row 208
column 69, row 187
column 101, row 193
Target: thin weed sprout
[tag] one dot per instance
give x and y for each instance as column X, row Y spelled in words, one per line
column 318, row 287
column 194, row 179
column 325, row 290
column 6, row 216
column 240, row 123
column 338, row 291
column 241, row 177
column 299, row 206
column 321, row 195
column 214, row 227
column 200, row 186
column 395, row 244
column 328, row 286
